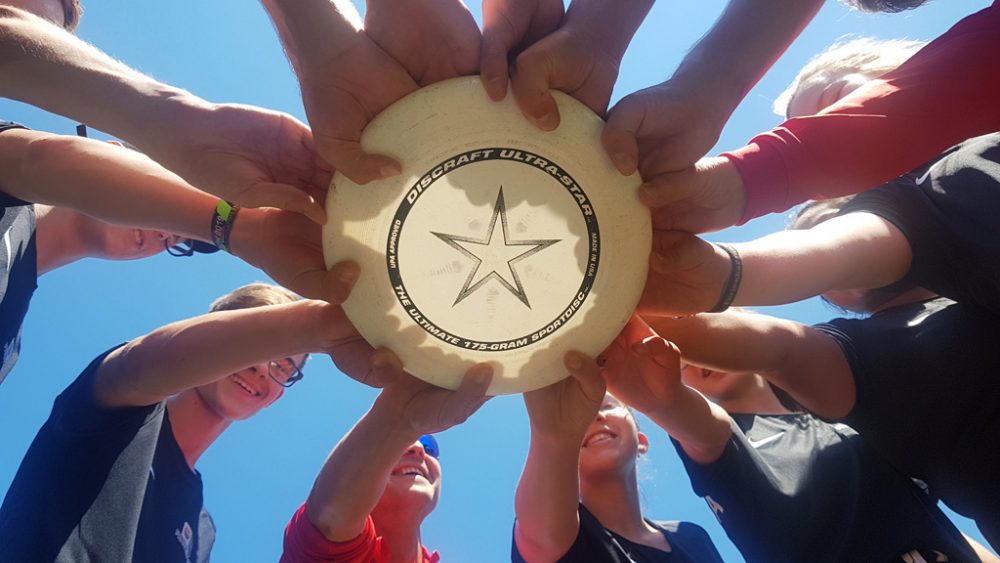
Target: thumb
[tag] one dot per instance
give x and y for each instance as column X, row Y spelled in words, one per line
column 500, row 34
column 471, row 393
column 587, row 374
column 620, row 133
column 284, row 196
column 359, row 166
column 531, row 84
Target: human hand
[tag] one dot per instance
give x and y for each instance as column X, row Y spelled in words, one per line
column 641, row 368
column 686, row 275
column 565, row 409
column 423, row 408
column 289, row 248
column 664, row 128
column 706, row 197
column 432, row 39
column 244, row 154
column 510, row 26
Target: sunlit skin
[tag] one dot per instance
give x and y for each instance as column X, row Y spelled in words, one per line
column 414, row 485
column 244, row 393
column 612, row 443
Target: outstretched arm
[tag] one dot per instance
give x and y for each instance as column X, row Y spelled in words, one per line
column 802, row 360
column 196, row 351
column 853, row 251
column 548, row 493
column 644, row 371
column 670, row 126
column 248, row 155
column 354, row 475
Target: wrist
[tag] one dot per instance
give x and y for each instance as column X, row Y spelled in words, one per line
column 386, row 416
column 610, row 24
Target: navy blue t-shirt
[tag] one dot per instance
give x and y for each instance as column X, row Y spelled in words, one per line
column 594, row 543
column 792, row 488
column 103, row 484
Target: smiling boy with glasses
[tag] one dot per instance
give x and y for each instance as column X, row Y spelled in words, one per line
column 111, row 474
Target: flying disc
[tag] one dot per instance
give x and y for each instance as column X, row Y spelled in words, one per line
column 498, row 243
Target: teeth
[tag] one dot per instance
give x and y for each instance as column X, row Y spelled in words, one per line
column 410, row 470
column 239, row 381
column 598, row 437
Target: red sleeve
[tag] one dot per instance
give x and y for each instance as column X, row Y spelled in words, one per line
column 304, row 543
column 947, row 92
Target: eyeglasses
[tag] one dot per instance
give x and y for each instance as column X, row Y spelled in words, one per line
column 286, row 372
column 430, row 445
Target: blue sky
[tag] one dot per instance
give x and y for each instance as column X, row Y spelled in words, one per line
column 258, row 473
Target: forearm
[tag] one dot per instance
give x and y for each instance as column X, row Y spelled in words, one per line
column 853, row 251
column 547, row 498
column 197, row 351
column 303, row 25
column 611, row 23
column 106, row 182
column 700, row 426
column 733, row 342
column 354, row 475
column 800, row 359
column 48, row 67
column 742, row 45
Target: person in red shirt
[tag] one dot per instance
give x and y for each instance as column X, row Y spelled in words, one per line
column 944, row 94
column 369, row 500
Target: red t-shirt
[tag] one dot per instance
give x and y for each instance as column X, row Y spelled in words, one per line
column 304, row 543
column 947, row 92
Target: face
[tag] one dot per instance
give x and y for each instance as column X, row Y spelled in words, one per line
column 244, row 393
column 415, row 481
column 122, row 243
column 612, row 442
column 51, row 10
column 819, row 95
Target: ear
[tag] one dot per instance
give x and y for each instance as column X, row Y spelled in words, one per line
column 643, row 443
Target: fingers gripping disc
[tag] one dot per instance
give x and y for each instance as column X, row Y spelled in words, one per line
column 498, row 243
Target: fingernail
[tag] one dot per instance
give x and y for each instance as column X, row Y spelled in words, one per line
column 497, row 86
column 573, row 361
column 623, row 162
column 349, row 275
column 389, row 170
column 548, row 121
column 481, row 374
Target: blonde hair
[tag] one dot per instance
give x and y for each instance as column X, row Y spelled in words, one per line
column 254, row 295
column 866, row 56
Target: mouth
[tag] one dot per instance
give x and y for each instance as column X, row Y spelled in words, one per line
column 244, row 385
column 410, row 470
column 706, row 373
column 599, row 437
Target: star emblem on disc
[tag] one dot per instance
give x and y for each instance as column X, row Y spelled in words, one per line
column 495, row 258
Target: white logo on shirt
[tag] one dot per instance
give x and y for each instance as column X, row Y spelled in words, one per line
column 715, row 507
column 758, row 443
column 186, row 536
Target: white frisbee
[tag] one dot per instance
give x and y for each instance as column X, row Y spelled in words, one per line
column 498, row 243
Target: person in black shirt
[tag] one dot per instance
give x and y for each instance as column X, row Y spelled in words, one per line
column 111, row 474
column 761, row 464
column 578, row 498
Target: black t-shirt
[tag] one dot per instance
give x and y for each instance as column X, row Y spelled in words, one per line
column 104, row 485
column 948, row 211
column 596, row 544
column 18, row 269
column 792, row 488
column 928, row 397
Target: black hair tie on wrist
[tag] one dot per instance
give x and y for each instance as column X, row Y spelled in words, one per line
column 733, row 283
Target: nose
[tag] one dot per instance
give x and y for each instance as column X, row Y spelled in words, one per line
column 416, row 449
